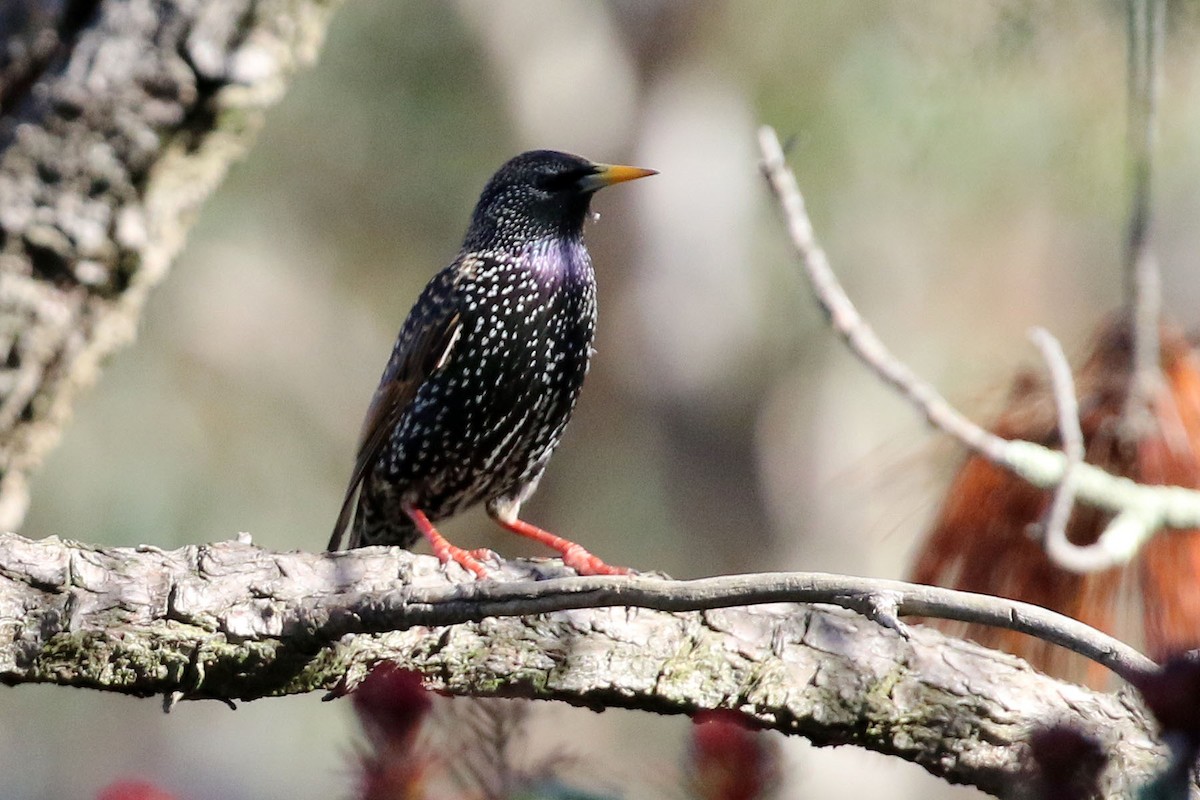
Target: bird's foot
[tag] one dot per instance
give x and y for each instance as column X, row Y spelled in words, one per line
column 442, row 548
column 573, row 555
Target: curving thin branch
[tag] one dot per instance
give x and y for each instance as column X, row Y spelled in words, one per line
column 1140, row 510
column 1059, row 548
column 874, row 598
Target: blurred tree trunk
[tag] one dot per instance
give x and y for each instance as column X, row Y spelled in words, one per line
column 117, row 119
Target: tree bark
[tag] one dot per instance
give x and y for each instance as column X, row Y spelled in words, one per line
column 117, row 119
column 232, row 621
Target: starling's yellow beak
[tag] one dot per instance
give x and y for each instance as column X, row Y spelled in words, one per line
column 608, row 174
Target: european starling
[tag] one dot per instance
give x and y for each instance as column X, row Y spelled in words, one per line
column 486, row 370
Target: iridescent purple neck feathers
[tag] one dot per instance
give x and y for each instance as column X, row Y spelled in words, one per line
column 557, row 261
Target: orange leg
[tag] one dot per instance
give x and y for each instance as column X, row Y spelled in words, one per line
column 573, row 555
column 442, row 548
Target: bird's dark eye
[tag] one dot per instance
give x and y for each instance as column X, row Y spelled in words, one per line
column 561, row 180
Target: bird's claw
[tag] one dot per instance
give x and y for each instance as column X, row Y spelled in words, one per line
column 584, row 563
column 463, row 558
column 485, row 554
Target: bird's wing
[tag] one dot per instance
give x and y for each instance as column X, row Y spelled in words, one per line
column 424, row 345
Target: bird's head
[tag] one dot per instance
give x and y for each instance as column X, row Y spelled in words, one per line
column 540, row 193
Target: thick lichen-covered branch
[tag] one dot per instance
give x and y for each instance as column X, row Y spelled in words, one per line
column 232, row 621
column 117, row 119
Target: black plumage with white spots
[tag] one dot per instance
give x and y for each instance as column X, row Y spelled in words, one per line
column 488, row 365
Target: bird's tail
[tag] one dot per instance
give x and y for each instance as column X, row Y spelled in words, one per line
column 345, row 520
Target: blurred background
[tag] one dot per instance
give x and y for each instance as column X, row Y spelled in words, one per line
column 963, row 164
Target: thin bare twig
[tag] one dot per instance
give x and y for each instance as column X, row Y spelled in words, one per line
column 1143, row 284
column 1140, row 511
column 1059, row 548
column 408, row 606
column 849, row 324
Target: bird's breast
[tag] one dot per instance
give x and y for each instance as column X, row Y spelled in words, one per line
column 488, row 418
column 525, row 316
